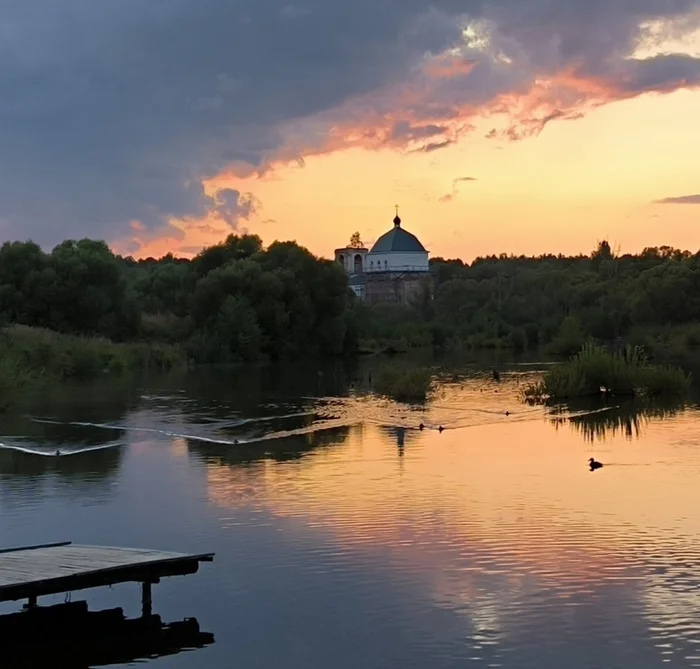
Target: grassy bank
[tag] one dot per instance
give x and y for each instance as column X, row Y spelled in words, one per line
column 595, row 370
column 30, row 357
column 404, row 385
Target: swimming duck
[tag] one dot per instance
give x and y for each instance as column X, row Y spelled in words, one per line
column 594, row 464
column 421, row 426
column 441, row 428
column 58, row 452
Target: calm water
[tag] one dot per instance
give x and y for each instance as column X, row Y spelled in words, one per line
column 346, row 537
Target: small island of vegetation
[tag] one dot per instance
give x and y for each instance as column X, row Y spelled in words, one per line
column 595, row 371
column 411, row 385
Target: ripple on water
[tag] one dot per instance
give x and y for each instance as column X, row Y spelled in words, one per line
column 352, row 537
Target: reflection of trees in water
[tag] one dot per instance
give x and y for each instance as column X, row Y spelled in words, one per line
column 105, row 400
column 87, row 475
column 259, row 390
column 293, row 447
column 628, row 419
column 100, row 402
column 66, row 403
column 89, row 466
column 23, row 475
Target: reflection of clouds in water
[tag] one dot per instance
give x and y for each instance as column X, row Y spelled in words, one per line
column 670, row 595
column 482, row 609
column 178, row 447
column 493, row 542
column 502, row 526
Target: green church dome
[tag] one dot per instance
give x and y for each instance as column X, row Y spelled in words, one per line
column 398, row 240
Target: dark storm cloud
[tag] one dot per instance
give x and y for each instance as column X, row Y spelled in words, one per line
column 114, row 112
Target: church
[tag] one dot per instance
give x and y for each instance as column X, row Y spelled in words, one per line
column 393, row 270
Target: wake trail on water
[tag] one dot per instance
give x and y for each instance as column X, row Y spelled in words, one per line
column 336, row 414
column 50, row 451
column 627, row 464
column 227, row 424
column 239, row 441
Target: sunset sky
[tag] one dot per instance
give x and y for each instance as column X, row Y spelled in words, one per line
column 495, row 125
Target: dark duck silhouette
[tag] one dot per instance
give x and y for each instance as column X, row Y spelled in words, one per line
column 594, row 464
column 421, row 426
column 441, row 428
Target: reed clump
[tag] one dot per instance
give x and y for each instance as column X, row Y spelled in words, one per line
column 31, row 356
column 595, row 370
column 405, row 384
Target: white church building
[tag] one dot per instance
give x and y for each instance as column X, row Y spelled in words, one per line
column 392, row 270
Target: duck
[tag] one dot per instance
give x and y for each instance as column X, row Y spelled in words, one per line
column 421, row 426
column 441, row 428
column 594, row 464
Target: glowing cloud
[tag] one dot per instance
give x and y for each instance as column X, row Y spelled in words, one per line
column 120, row 113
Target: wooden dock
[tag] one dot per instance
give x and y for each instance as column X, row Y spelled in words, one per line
column 35, row 571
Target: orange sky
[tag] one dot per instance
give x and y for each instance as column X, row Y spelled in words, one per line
column 577, row 182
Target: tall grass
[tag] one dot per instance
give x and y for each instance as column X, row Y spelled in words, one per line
column 404, row 384
column 32, row 356
column 595, row 370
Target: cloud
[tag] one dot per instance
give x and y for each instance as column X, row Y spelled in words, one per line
column 448, row 197
column 683, row 199
column 119, row 112
column 231, row 206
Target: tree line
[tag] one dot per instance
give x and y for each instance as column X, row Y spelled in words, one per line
column 234, row 301
column 238, row 300
column 552, row 301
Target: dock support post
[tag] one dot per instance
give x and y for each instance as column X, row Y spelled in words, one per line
column 31, row 603
column 146, row 600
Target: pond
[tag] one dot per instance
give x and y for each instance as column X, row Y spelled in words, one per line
column 346, row 536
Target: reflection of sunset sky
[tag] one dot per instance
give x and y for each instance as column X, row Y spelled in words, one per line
column 499, row 518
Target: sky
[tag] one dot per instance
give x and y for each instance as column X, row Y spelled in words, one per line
column 497, row 126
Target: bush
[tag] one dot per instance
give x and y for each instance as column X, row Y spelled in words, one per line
column 594, row 370
column 31, row 356
column 404, row 385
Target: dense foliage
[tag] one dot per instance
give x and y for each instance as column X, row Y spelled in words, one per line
column 240, row 301
column 650, row 299
column 596, row 370
column 234, row 301
column 404, row 384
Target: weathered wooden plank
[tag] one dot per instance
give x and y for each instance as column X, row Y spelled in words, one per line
column 30, row 548
column 49, row 569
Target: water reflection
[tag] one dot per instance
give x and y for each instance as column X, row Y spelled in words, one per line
column 72, row 636
column 282, row 449
column 596, row 423
column 353, row 538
